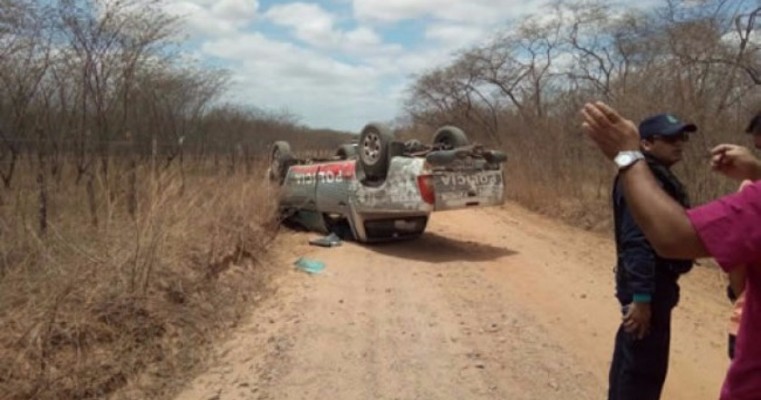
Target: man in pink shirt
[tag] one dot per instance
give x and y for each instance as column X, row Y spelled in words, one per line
column 736, row 288
column 728, row 229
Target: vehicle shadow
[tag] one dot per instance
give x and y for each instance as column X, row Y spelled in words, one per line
column 435, row 248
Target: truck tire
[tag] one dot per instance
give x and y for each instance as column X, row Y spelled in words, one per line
column 450, row 137
column 374, row 143
column 280, row 155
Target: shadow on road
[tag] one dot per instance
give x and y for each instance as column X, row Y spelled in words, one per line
column 432, row 247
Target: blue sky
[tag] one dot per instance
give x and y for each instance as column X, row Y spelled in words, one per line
column 335, row 63
column 338, row 64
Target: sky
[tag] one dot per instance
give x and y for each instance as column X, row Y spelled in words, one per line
column 339, row 64
column 335, row 64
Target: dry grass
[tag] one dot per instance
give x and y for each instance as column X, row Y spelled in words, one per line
column 90, row 310
column 560, row 178
column 555, row 170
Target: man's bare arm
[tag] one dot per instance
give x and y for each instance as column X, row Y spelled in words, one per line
column 663, row 220
column 665, row 224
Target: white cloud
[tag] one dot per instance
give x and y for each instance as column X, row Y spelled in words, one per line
column 562, row 63
column 325, row 92
column 473, row 11
column 315, row 26
column 310, row 22
column 455, row 36
column 410, row 62
column 394, row 10
column 334, row 72
column 235, row 10
column 213, row 17
column 362, row 37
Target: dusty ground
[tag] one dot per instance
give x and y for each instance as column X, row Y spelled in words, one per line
column 488, row 304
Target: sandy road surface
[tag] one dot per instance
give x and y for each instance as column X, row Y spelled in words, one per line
column 488, row 304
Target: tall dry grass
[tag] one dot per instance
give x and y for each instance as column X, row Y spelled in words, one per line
column 89, row 310
column 554, row 169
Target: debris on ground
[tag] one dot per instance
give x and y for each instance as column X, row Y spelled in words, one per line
column 310, row 266
column 330, row 240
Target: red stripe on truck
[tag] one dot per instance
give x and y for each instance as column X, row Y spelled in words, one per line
column 344, row 168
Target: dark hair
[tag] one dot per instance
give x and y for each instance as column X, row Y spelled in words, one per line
column 754, row 126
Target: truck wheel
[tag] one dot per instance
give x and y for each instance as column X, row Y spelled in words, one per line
column 450, row 137
column 374, row 143
column 346, row 151
column 280, row 154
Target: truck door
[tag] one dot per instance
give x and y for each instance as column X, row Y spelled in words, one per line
column 299, row 187
column 333, row 183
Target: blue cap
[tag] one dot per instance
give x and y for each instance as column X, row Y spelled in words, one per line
column 663, row 125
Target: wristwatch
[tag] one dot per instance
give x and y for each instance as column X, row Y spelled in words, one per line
column 625, row 159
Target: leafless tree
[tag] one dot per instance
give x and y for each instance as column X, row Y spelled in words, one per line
column 25, row 46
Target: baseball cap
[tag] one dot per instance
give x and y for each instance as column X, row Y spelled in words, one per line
column 664, row 125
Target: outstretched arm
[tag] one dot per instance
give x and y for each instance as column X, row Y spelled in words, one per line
column 662, row 219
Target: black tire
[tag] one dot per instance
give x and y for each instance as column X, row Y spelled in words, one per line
column 346, row 151
column 280, row 154
column 450, row 137
column 374, row 143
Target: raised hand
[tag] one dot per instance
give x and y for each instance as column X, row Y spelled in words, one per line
column 735, row 162
column 611, row 132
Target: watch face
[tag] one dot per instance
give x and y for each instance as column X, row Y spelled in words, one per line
column 624, row 159
column 620, row 159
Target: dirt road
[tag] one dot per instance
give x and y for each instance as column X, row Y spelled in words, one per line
column 488, row 304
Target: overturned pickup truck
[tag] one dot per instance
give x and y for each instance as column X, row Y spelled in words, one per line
column 381, row 189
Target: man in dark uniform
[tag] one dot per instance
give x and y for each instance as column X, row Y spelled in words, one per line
column 646, row 284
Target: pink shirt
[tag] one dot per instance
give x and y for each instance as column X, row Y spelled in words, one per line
column 730, row 229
